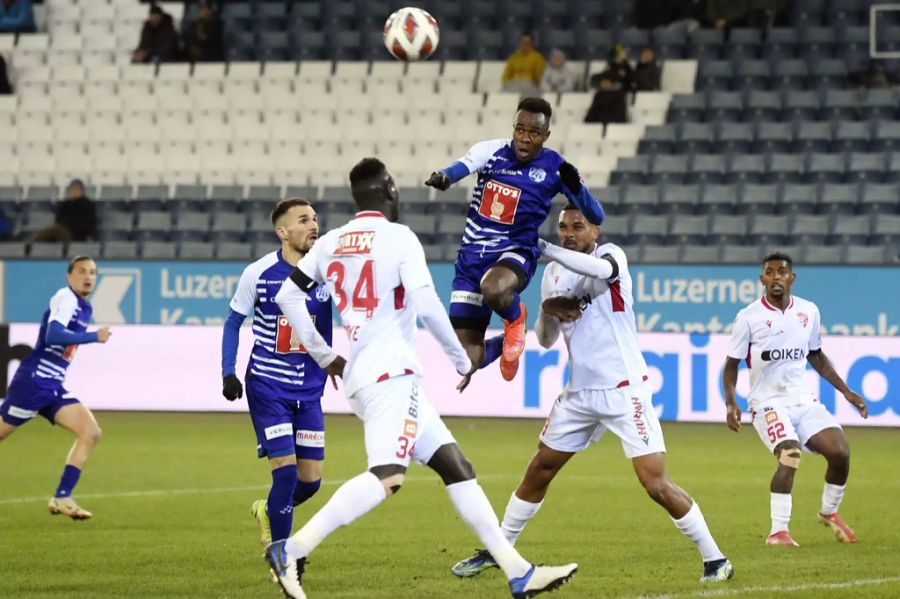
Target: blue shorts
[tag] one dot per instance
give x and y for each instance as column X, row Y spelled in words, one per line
column 27, row 398
column 285, row 426
column 468, row 310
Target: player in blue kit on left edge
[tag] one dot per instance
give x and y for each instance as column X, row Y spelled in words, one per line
column 284, row 385
column 517, row 180
column 37, row 386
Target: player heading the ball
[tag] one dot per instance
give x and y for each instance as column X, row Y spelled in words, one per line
column 37, row 386
column 778, row 335
column 517, row 180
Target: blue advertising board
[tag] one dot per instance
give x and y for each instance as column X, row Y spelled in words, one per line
column 669, row 298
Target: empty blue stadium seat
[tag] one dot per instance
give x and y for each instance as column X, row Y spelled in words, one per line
column 803, row 105
column 886, row 136
column 679, row 199
column 715, row 75
column 789, row 74
column 752, row 74
column 690, row 229
column 630, row 170
column 726, row 106
column 825, row 168
column 762, row 105
column 718, row 199
column 780, row 44
column 696, row 137
column 880, row 198
column 798, row 198
column 784, row 167
column 640, row 199
column 705, row 168
column 812, row 136
column 734, row 137
column 668, row 168
column 658, row 140
column 840, row 104
column 687, row 107
column 757, row 199
column 773, row 137
column 706, row 44
column 864, row 167
column 838, row 198
column 744, row 43
column 746, row 168
column 852, row 136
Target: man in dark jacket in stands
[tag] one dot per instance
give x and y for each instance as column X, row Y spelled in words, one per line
column 203, row 36
column 76, row 218
column 609, row 104
column 159, row 40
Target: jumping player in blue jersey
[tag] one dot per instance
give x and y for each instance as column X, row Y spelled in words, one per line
column 284, row 385
column 37, row 386
column 517, row 179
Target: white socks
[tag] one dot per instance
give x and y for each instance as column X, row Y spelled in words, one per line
column 518, row 513
column 353, row 499
column 831, row 497
column 474, row 508
column 781, row 511
column 694, row 527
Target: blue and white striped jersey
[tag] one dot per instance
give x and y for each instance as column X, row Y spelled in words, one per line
column 277, row 352
column 50, row 362
column 511, row 199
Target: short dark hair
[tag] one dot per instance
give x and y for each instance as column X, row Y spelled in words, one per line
column 779, row 257
column 156, row 9
column 536, row 105
column 366, row 170
column 286, row 204
column 75, row 261
column 526, row 34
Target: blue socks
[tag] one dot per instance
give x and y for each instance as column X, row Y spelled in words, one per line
column 305, row 490
column 67, row 481
column 280, row 505
column 513, row 312
column 493, row 348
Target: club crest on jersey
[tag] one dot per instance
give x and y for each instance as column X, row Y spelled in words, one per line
column 322, row 293
column 355, row 242
column 537, row 174
column 499, row 202
column 771, row 417
column 804, row 319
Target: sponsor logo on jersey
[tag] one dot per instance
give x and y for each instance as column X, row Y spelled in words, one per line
column 537, row 174
column 287, row 341
column 306, row 438
column 784, row 353
column 279, row 430
column 467, row 297
column 355, row 242
column 69, row 353
column 410, row 427
column 499, row 202
column 771, row 417
column 804, row 319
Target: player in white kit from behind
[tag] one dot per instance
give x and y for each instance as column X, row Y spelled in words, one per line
column 376, row 272
column 777, row 335
column 586, row 293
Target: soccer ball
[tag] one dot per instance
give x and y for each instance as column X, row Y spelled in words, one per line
column 411, row 34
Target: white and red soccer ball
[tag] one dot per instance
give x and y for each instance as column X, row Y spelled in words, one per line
column 411, row 34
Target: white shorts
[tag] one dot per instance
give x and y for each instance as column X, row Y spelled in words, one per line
column 399, row 423
column 776, row 423
column 580, row 418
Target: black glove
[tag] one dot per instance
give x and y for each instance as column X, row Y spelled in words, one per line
column 232, row 388
column 568, row 174
column 439, row 180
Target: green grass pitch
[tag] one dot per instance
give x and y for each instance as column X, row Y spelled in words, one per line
column 171, row 495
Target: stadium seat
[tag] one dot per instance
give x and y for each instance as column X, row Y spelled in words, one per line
column 823, row 254
column 660, row 139
column 880, row 198
column 705, row 168
column 864, row 254
column 767, row 229
column 718, row 199
column 810, row 229
column 728, row 229
column 120, row 250
column 46, row 251
column 774, row 137
column 690, row 229
column 757, row 199
column 687, row 107
column 746, row 168
column 679, row 199
column 865, row 167
column 812, row 136
column 798, row 199
column 83, row 248
column 700, row 254
column 695, row 137
column 12, row 249
column 839, row 198
column 783, row 167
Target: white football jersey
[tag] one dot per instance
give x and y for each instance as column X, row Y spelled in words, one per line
column 370, row 264
column 603, row 344
column 775, row 345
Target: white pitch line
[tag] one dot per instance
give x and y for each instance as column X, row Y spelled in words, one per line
column 862, row 582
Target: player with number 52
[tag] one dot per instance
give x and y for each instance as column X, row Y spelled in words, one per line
column 778, row 335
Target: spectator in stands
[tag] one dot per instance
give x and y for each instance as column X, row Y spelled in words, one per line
column 159, row 40
column 618, row 70
column 16, row 16
column 558, row 77
column 609, row 103
column 524, row 68
column 203, row 37
column 647, row 74
column 724, row 14
column 76, row 218
column 5, row 87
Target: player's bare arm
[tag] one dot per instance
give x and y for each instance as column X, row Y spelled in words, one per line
column 729, row 384
column 821, row 364
column 103, row 334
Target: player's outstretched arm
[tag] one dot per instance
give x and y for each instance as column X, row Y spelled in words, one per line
column 431, row 312
column 604, row 267
column 821, row 364
column 58, row 334
column 231, row 384
column 729, row 384
column 291, row 299
column 577, row 193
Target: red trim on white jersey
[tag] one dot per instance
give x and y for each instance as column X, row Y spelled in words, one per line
column 769, row 306
column 369, row 213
